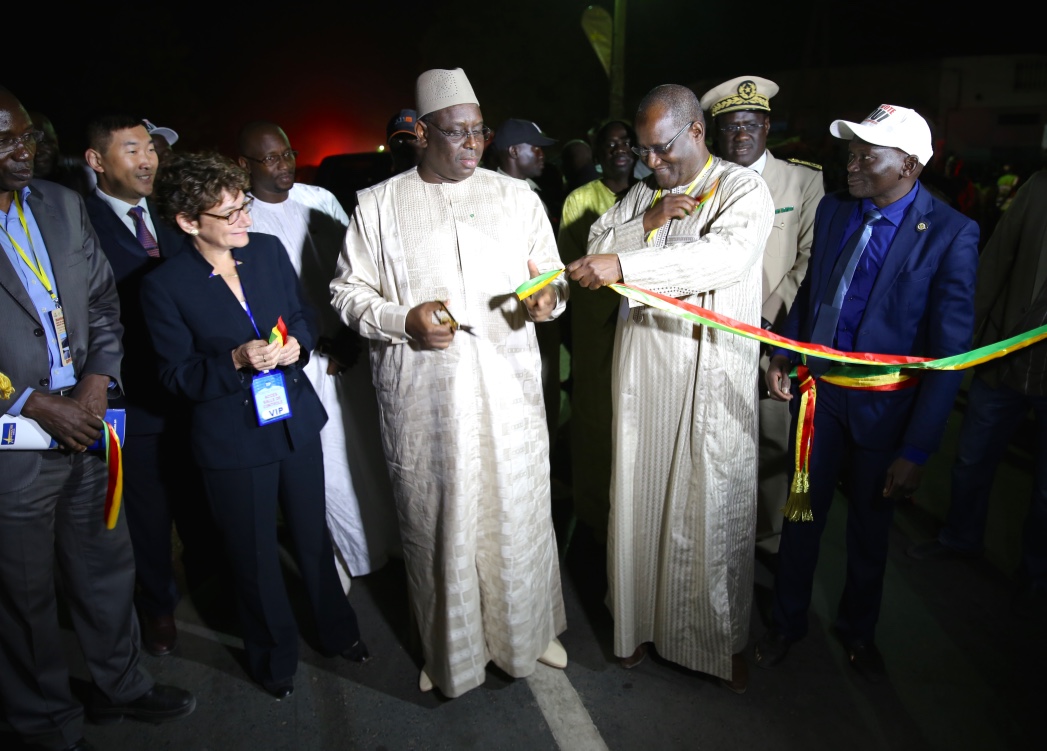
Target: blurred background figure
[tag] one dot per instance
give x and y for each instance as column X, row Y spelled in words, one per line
column 404, row 146
column 163, row 140
column 593, row 317
column 576, row 163
column 50, row 164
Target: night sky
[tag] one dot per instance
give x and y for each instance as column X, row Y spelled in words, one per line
column 332, row 75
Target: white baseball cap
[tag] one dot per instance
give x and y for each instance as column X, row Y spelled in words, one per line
column 155, row 130
column 890, row 125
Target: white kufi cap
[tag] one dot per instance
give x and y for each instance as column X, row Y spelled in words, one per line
column 438, row 88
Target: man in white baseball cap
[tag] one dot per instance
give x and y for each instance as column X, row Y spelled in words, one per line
column 889, row 125
column 163, row 139
column 892, row 271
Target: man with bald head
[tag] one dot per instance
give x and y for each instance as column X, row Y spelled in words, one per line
column 311, row 225
column 683, row 492
column 892, row 271
column 431, row 262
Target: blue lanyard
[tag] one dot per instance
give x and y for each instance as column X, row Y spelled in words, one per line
column 247, row 307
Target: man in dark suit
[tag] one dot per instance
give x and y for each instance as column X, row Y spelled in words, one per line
column 61, row 351
column 161, row 480
column 892, row 271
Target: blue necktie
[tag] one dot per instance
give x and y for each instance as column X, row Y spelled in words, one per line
column 829, row 313
column 145, row 237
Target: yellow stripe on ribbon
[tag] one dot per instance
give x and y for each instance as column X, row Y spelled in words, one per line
column 863, row 371
column 537, row 284
column 114, row 493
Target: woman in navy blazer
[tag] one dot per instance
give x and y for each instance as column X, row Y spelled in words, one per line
column 209, row 314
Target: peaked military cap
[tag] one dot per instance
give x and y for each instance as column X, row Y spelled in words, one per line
column 741, row 93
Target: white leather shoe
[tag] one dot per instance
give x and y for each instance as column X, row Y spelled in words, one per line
column 425, row 683
column 555, row 656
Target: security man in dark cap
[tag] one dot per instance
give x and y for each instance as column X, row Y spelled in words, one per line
column 518, row 144
column 404, row 146
column 739, row 111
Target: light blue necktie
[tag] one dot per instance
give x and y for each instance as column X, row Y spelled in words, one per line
column 836, row 292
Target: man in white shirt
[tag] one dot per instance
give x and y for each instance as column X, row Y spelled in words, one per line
column 311, row 224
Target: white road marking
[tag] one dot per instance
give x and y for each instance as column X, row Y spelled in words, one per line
column 568, row 719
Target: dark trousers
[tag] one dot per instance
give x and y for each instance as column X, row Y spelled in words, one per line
column 244, row 502
column 59, row 518
column 992, row 417
column 869, row 514
column 162, row 484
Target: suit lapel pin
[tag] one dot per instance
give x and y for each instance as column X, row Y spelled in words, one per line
column 921, row 226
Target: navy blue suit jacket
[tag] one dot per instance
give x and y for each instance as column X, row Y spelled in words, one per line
column 196, row 322
column 922, row 304
column 147, row 402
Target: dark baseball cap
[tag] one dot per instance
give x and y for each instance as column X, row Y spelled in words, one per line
column 514, row 131
column 402, row 122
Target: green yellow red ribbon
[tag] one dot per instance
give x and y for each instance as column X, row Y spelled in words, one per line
column 539, row 282
column 114, row 492
column 864, row 371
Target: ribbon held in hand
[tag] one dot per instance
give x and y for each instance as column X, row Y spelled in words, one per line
column 541, row 281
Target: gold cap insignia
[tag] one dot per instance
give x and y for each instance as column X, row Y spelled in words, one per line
column 742, row 93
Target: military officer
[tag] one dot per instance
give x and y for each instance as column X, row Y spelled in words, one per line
column 739, row 111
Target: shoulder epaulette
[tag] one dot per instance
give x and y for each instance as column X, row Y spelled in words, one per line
column 812, row 165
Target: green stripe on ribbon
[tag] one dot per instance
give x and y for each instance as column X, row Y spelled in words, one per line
column 861, row 363
column 531, row 286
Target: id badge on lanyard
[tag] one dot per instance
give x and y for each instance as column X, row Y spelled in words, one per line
column 268, row 388
column 58, row 321
column 270, row 397
column 37, row 267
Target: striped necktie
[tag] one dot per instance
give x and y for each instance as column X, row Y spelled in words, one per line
column 836, row 292
column 145, row 237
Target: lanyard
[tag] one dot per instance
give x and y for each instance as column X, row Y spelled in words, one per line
column 250, row 315
column 658, row 194
column 35, row 265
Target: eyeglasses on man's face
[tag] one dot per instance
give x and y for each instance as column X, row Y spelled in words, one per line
column 459, row 136
column 29, row 140
column 233, row 216
column 750, row 128
column 642, row 152
column 271, row 159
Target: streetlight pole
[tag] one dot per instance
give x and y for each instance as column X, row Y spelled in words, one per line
column 618, row 61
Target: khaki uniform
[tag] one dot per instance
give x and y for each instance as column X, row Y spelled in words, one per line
column 796, row 188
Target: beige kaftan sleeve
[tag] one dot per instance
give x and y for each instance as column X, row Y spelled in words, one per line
column 545, row 254
column 357, row 291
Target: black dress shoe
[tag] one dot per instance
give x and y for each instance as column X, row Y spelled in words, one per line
column 357, row 652
column 159, row 635
column 279, row 689
column 772, row 649
column 158, row 704
column 867, row 660
column 935, row 550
